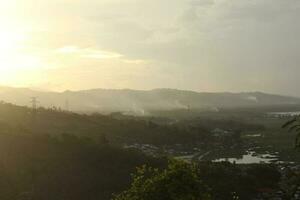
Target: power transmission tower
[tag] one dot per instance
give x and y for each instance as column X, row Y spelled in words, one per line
column 34, row 102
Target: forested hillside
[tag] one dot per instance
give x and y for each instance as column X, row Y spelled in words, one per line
column 20, row 119
column 116, row 129
column 49, row 154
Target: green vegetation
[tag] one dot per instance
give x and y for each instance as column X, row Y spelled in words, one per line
column 126, row 130
column 49, row 154
column 185, row 181
column 65, row 167
column 180, row 181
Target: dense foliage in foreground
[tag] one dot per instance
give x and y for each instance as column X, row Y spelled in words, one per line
column 186, row 181
column 66, row 167
column 180, row 181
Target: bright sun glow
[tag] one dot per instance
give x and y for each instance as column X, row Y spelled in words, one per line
column 13, row 57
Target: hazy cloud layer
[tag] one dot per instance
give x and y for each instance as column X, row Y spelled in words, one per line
column 204, row 45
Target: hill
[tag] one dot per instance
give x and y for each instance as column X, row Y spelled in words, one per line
column 142, row 102
column 56, row 155
column 23, row 120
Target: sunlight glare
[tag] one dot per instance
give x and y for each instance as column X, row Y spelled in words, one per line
column 14, row 58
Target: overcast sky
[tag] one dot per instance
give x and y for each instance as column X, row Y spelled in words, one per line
column 202, row 45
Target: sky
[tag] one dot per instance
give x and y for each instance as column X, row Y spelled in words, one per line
column 201, row 45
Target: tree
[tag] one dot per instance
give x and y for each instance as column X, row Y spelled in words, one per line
column 293, row 125
column 180, row 181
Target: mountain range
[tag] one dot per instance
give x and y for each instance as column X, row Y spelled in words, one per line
column 141, row 101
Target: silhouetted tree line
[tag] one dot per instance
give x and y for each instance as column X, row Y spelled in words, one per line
column 47, row 121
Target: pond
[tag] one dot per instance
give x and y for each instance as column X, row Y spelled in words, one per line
column 250, row 159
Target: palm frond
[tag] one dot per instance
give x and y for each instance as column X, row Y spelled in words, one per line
column 288, row 123
column 294, row 127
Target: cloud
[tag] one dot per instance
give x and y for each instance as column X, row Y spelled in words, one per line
column 202, row 2
column 88, row 52
column 193, row 44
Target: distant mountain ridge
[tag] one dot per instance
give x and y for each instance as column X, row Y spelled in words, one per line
column 141, row 101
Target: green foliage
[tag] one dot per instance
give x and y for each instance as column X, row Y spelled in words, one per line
column 180, row 181
column 62, row 155
column 191, row 181
column 40, row 167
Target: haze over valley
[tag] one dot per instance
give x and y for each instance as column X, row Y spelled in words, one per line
column 142, row 102
column 149, row 100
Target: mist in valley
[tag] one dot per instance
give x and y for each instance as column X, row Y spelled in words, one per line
column 149, row 100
